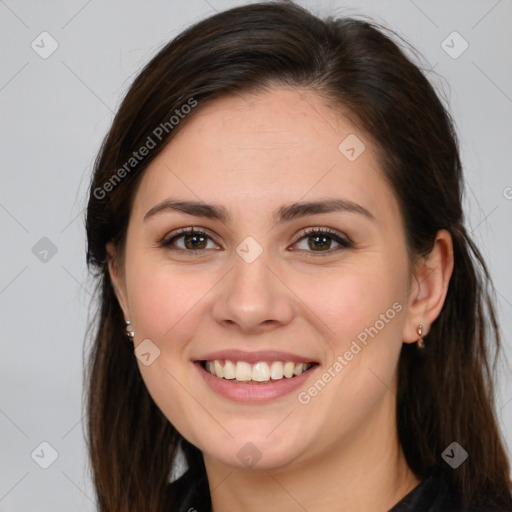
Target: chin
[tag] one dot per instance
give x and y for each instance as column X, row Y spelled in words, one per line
column 255, row 452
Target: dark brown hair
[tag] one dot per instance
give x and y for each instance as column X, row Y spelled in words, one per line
column 446, row 393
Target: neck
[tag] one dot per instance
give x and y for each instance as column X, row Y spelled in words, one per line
column 366, row 471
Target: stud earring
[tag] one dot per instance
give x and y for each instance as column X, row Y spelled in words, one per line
column 129, row 331
column 419, row 330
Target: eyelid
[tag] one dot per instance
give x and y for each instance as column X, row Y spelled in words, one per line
column 323, row 230
column 191, row 230
column 340, row 238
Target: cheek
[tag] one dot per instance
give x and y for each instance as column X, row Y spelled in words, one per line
column 162, row 298
column 349, row 301
column 362, row 323
column 166, row 305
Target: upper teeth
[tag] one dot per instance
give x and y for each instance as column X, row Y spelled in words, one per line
column 259, row 372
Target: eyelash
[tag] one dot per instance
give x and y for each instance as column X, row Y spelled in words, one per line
column 344, row 241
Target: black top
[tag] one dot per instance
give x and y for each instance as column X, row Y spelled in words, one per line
column 434, row 495
column 431, row 495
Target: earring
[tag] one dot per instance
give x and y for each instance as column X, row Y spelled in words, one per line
column 419, row 330
column 129, row 331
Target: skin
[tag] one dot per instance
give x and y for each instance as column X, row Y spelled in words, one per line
column 252, row 154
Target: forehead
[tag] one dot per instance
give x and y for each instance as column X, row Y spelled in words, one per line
column 262, row 150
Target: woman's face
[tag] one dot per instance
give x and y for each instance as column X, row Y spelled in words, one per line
column 258, row 287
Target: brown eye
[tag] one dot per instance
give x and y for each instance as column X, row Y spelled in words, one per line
column 194, row 241
column 320, row 241
column 188, row 240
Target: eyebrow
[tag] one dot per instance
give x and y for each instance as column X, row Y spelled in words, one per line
column 285, row 213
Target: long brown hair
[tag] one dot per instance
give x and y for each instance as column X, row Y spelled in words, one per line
column 446, row 393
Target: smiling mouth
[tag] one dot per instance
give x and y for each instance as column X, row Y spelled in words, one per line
column 259, row 373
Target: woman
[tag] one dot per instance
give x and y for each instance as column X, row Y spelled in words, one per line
column 288, row 295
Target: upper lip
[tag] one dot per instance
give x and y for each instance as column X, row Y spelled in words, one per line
column 255, row 356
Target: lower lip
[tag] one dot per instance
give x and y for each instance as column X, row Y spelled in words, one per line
column 240, row 392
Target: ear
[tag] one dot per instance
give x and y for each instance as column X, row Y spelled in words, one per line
column 117, row 278
column 429, row 287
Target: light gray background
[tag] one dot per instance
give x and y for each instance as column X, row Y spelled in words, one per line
column 54, row 114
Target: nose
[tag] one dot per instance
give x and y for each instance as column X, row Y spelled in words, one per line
column 253, row 297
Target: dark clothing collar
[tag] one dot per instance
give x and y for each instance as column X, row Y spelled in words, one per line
column 434, row 494
column 430, row 495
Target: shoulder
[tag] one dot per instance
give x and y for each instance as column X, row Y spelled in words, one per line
column 434, row 494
